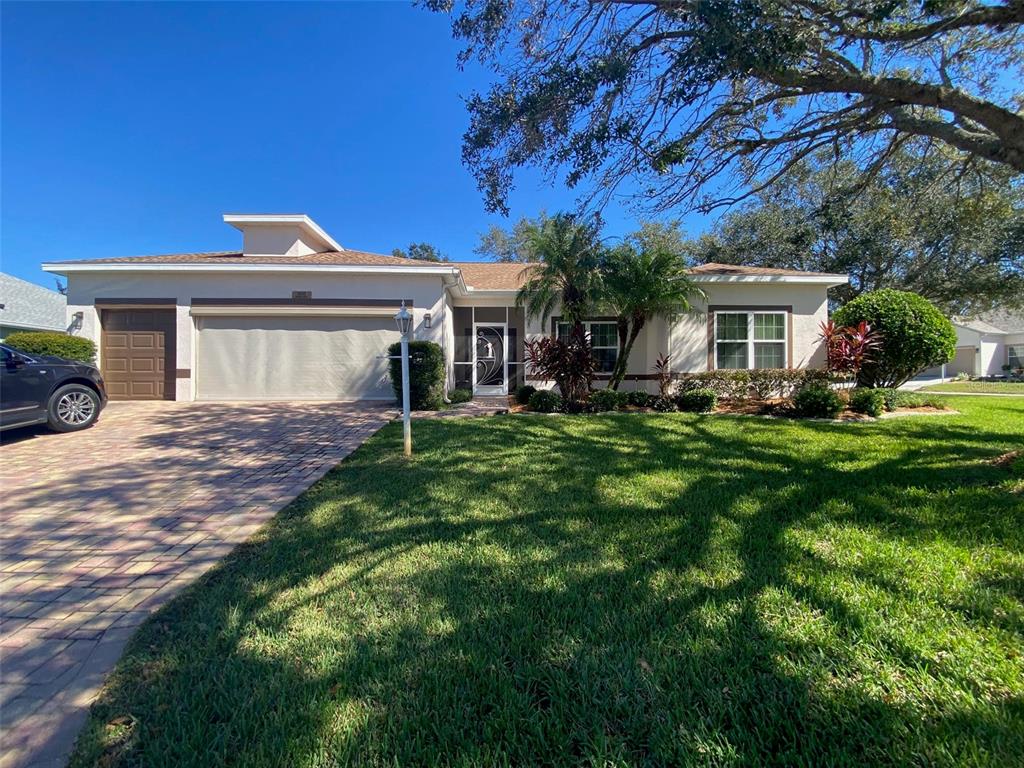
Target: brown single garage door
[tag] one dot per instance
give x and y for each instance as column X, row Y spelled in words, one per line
column 137, row 353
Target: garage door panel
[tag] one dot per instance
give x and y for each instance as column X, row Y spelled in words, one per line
column 135, row 345
column 294, row 358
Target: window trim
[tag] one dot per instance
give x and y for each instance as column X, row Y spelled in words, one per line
column 1019, row 355
column 749, row 310
column 587, row 323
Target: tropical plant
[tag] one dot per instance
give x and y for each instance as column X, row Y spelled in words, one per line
column 569, row 362
column 663, row 370
column 567, row 274
column 638, row 286
column 914, row 335
column 849, row 348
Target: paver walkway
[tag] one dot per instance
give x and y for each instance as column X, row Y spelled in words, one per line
column 101, row 527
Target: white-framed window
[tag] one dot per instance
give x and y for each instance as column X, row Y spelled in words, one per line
column 604, row 341
column 746, row 340
column 1015, row 355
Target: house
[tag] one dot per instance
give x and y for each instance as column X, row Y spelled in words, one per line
column 986, row 343
column 295, row 315
column 25, row 306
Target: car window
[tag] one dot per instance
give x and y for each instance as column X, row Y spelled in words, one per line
column 7, row 354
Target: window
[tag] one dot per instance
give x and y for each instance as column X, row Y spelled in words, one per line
column 604, row 341
column 750, row 340
column 1015, row 356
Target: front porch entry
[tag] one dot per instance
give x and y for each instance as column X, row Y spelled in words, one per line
column 488, row 349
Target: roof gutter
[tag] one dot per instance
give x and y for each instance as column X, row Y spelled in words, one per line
column 829, row 280
column 59, row 268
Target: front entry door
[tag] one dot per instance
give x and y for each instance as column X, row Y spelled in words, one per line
column 490, row 363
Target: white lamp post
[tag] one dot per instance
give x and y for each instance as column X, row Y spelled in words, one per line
column 404, row 322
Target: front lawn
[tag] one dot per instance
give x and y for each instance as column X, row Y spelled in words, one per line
column 618, row 589
column 982, row 387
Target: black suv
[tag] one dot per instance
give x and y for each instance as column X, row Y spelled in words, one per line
column 39, row 389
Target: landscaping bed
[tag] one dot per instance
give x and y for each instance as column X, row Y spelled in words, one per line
column 644, row 589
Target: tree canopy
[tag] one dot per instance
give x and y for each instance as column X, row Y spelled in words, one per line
column 962, row 247
column 420, row 252
column 706, row 101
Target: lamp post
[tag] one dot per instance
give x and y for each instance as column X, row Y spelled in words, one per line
column 404, row 322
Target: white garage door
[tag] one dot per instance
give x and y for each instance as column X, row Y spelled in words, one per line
column 293, row 358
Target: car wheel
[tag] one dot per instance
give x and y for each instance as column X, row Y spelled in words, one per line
column 72, row 408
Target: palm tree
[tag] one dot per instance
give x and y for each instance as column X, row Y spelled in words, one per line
column 567, row 272
column 638, row 286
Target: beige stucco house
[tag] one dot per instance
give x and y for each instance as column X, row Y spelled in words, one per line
column 294, row 315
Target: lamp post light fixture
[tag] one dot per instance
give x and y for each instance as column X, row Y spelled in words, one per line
column 404, row 322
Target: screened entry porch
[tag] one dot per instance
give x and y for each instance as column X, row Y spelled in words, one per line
column 488, row 349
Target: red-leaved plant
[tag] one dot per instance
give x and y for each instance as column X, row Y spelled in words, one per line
column 850, row 347
column 664, row 373
column 569, row 363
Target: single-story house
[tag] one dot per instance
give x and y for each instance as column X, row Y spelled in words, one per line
column 986, row 343
column 25, row 306
column 294, row 315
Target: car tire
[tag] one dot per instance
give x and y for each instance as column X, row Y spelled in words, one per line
column 72, row 407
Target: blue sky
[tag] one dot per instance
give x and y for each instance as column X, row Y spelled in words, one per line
column 130, row 128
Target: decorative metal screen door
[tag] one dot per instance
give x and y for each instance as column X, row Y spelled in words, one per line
column 490, row 363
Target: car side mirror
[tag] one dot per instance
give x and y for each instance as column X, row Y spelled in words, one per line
column 14, row 362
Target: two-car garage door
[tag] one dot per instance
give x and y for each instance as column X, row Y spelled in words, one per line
column 293, row 357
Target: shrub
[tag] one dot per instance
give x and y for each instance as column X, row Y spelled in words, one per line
column 606, row 400
column 639, row 398
column 460, row 395
column 697, row 400
column 817, row 403
column 569, row 363
column 728, row 384
column 523, row 393
column 426, row 374
column 914, row 334
column 762, row 382
column 52, row 343
column 545, row 401
column 869, row 401
column 663, row 404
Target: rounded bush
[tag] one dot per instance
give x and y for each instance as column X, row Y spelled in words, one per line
column 869, row 401
column 545, row 401
column 817, row 403
column 606, row 400
column 426, row 374
column 914, row 335
column 639, row 399
column 664, row 404
column 523, row 393
column 460, row 395
column 52, row 343
column 697, row 400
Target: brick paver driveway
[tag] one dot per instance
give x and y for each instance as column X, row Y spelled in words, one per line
column 101, row 527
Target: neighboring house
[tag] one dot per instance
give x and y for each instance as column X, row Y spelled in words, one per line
column 25, row 306
column 986, row 343
column 294, row 315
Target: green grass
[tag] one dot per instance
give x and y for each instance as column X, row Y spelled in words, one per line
column 982, row 387
column 618, row 589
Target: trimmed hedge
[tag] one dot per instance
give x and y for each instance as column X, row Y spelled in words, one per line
column 915, row 335
column 426, row 374
column 545, row 401
column 52, row 343
column 640, row 399
column 869, row 401
column 817, row 403
column 762, row 383
column 697, row 400
column 607, row 400
column 523, row 393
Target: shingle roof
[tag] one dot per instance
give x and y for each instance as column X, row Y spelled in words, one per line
column 494, row 276
column 713, row 268
column 31, row 306
column 997, row 321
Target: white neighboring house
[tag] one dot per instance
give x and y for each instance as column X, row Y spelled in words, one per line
column 986, row 343
column 294, row 315
column 25, row 306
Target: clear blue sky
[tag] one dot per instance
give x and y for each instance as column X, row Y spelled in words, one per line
column 130, row 128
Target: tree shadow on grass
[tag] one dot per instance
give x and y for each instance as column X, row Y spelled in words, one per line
column 619, row 590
